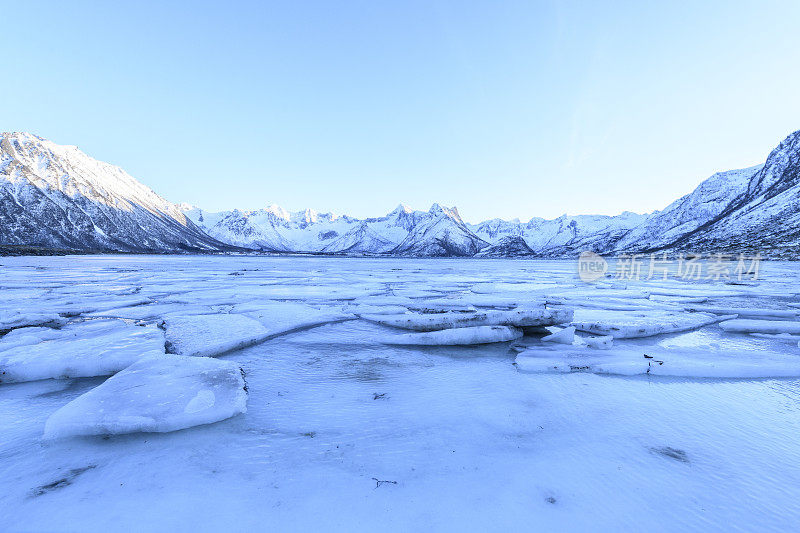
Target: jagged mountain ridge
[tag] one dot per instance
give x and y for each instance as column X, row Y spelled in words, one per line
column 754, row 199
column 55, row 196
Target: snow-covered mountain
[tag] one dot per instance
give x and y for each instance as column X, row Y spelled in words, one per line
column 54, row 196
column 746, row 210
column 57, row 197
column 437, row 232
column 763, row 217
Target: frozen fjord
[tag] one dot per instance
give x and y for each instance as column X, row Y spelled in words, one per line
column 472, row 440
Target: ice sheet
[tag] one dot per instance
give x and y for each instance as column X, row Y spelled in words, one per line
column 473, row 442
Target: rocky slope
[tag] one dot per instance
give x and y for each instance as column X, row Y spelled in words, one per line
column 57, row 197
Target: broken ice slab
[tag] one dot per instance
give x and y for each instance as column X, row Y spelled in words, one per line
column 211, row 335
column 85, row 349
column 457, row 336
column 705, row 362
column 519, row 317
column 761, row 326
column 279, row 318
column 563, row 336
column 156, row 394
column 744, row 312
column 633, row 324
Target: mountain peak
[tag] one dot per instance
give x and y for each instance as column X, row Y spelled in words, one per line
column 400, row 209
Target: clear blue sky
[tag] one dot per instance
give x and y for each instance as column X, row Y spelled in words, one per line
column 505, row 109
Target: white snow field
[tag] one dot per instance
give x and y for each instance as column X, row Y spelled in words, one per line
column 343, row 432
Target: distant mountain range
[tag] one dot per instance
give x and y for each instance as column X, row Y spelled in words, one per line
column 57, row 197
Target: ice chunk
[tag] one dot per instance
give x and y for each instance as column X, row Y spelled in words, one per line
column 211, row 335
column 93, row 348
column 744, row 325
column 599, row 343
column 564, row 336
column 519, row 317
column 705, row 362
column 744, row 312
column 457, row 336
column 156, row 394
column 632, row 324
column 15, row 318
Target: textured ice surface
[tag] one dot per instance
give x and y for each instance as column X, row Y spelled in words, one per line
column 520, row 317
column 457, row 336
column 211, row 335
column 17, row 318
column 473, row 442
column 93, row 348
column 744, row 312
column 761, row 326
column 634, row 324
column 160, row 393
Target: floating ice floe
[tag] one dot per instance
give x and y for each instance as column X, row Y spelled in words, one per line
column 760, row 326
column 211, row 335
column 632, row 324
column 156, row 394
column 85, row 349
column 14, row 318
column 520, row 317
column 564, row 336
column 744, row 312
column 659, row 361
column 457, row 336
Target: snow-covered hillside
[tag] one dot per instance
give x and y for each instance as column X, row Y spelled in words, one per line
column 56, row 196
